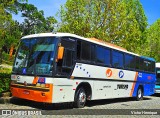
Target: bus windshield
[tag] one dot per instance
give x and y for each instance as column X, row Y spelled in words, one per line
column 158, row 76
column 35, row 56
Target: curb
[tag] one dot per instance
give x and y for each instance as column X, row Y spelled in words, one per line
column 5, row 100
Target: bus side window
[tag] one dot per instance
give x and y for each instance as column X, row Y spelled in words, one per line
column 141, row 63
column 148, row 66
column 129, row 61
column 85, row 51
column 78, row 50
column 102, row 55
column 137, row 61
column 68, row 58
column 153, row 67
column 117, row 59
column 65, row 65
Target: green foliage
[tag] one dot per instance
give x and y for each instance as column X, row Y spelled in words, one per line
column 34, row 21
column 153, row 42
column 9, row 30
column 49, row 24
column 6, row 59
column 136, row 23
column 5, row 75
column 5, row 19
column 4, row 81
column 121, row 22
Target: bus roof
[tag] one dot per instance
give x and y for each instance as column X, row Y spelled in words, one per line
column 93, row 40
column 148, row 58
column 111, row 44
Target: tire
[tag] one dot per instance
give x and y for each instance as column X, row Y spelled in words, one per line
column 139, row 94
column 80, row 98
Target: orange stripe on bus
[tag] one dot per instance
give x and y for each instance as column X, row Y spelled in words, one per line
column 35, row 80
column 133, row 85
column 110, row 44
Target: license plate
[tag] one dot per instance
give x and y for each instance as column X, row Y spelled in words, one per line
column 26, row 92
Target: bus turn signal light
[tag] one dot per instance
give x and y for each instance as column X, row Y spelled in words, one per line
column 43, row 85
column 47, row 85
column 38, row 84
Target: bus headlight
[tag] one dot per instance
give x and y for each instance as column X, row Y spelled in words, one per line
column 47, row 85
column 38, row 84
column 43, row 85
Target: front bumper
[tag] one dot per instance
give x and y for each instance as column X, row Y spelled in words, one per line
column 32, row 93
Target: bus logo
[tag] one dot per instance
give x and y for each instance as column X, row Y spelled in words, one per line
column 109, row 72
column 122, row 86
column 121, row 74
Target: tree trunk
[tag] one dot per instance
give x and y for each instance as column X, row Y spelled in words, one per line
column 11, row 52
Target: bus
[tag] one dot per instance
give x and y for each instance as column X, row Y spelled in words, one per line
column 157, row 87
column 64, row 67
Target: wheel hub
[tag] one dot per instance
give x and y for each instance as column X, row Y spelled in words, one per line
column 139, row 94
column 82, row 97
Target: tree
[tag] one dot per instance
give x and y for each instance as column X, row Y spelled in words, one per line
column 136, row 23
column 8, row 28
column 34, row 21
column 121, row 22
column 153, row 43
column 93, row 18
column 5, row 19
column 49, row 24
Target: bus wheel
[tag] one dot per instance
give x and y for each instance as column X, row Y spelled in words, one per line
column 139, row 94
column 80, row 98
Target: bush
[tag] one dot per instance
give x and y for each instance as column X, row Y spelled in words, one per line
column 6, row 59
column 5, row 79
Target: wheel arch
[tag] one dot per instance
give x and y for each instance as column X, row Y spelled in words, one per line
column 142, row 87
column 139, row 96
column 87, row 88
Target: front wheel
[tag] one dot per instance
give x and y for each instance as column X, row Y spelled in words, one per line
column 80, row 98
column 139, row 94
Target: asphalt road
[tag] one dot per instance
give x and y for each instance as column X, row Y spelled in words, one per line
column 149, row 106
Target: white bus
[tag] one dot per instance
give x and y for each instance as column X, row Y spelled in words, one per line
column 63, row 67
column 157, row 87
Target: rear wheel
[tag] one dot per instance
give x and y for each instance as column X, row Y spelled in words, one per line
column 139, row 94
column 80, row 98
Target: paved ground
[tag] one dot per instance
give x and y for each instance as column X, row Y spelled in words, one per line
column 99, row 108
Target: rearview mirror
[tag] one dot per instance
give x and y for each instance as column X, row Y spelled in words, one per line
column 60, row 52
